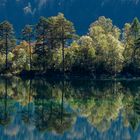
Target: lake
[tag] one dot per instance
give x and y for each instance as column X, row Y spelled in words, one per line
column 55, row 109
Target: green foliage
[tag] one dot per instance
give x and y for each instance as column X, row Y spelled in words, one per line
column 21, row 59
column 106, row 41
column 52, row 33
column 7, row 40
column 135, row 28
column 27, row 33
column 131, row 42
column 84, row 54
column 53, row 45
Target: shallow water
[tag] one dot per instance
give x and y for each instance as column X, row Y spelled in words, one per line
column 40, row 109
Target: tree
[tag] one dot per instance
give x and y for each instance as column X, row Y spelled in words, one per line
column 85, row 56
column 52, row 40
column 106, row 41
column 27, row 35
column 135, row 28
column 135, row 32
column 7, row 38
column 135, row 55
column 64, row 30
column 54, row 33
column 131, row 35
column 41, row 40
column 106, row 26
column 21, row 60
column 85, row 41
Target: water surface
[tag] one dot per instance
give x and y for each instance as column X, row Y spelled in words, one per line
column 41, row 109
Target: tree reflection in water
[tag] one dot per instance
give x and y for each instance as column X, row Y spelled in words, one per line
column 27, row 113
column 61, row 108
column 50, row 111
column 5, row 108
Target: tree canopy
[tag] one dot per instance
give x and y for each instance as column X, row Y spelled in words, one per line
column 51, row 45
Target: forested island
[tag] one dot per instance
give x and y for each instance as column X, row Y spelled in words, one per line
column 52, row 46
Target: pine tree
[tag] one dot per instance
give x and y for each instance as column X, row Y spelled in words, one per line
column 53, row 32
column 27, row 35
column 7, row 38
column 41, row 42
column 64, row 31
column 135, row 28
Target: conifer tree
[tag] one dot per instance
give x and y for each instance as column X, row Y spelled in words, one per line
column 7, row 38
column 27, row 35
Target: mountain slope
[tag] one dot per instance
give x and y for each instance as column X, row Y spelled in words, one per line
column 81, row 12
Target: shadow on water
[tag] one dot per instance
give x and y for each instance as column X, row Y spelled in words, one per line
column 69, row 109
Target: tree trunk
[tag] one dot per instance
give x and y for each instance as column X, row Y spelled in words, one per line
column 63, row 51
column 30, row 54
column 6, row 47
column 44, row 51
column 63, row 55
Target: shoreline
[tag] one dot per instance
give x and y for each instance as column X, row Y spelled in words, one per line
column 70, row 76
